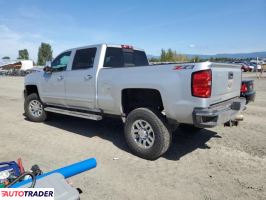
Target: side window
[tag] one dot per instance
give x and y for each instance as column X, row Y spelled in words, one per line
column 84, row 58
column 61, row 61
column 113, row 57
column 140, row 58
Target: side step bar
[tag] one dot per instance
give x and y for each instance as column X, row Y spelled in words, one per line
column 74, row 113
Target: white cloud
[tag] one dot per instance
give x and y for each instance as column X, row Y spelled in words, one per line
column 11, row 41
column 192, row 45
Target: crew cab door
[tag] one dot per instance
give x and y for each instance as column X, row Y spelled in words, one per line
column 52, row 85
column 80, row 79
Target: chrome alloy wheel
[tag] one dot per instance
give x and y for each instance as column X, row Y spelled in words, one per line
column 35, row 108
column 143, row 134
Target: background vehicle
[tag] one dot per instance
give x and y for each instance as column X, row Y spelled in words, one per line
column 256, row 67
column 116, row 80
column 244, row 66
column 251, row 66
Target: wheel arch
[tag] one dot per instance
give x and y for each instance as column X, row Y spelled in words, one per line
column 30, row 89
column 132, row 98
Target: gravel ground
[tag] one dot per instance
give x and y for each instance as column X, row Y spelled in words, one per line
column 218, row 163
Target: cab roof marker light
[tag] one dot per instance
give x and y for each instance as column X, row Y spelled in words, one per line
column 126, row 46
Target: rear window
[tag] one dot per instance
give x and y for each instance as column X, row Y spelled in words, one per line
column 118, row 57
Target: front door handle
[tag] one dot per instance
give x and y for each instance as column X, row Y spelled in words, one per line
column 88, row 77
column 61, row 77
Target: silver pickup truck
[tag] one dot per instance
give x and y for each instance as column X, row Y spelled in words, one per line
column 116, row 80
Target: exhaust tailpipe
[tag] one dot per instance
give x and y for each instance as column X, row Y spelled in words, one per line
column 235, row 122
column 239, row 117
column 231, row 123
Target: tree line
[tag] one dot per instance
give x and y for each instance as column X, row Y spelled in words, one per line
column 45, row 53
column 170, row 55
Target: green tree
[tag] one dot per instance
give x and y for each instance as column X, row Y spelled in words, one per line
column 154, row 59
column 23, row 54
column 195, row 59
column 211, row 59
column 45, row 53
column 169, row 55
column 223, row 59
column 6, row 58
column 180, row 58
column 163, row 55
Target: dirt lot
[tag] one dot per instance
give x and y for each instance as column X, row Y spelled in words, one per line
column 218, row 163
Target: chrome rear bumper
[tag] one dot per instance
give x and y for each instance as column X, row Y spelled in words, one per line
column 218, row 114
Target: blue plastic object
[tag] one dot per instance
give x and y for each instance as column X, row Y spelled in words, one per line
column 11, row 166
column 67, row 171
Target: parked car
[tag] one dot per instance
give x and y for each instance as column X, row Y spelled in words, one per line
column 98, row 81
column 3, row 72
column 244, row 66
column 251, row 66
column 256, row 67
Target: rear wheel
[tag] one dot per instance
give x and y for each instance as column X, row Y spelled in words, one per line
column 147, row 133
column 33, row 108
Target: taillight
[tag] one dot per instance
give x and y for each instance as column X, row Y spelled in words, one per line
column 202, row 84
column 244, row 88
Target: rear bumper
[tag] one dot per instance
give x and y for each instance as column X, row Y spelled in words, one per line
column 218, row 114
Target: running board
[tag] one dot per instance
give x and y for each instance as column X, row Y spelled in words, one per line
column 74, row 113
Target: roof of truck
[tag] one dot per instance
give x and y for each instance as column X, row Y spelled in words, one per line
column 108, row 45
column 121, row 46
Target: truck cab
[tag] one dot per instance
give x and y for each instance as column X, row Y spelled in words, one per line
column 71, row 80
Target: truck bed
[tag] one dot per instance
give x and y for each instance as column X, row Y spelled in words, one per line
column 173, row 81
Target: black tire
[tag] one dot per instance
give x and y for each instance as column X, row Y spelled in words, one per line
column 161, row 132
column 40, row 117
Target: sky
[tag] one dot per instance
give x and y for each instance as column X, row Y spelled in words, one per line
column 187, row 26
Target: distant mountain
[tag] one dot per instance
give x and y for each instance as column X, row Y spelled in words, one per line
column 225, row 55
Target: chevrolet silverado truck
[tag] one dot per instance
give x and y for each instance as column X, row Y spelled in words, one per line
column 103, row 80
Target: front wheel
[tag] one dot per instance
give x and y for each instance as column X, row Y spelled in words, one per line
column 33, row 108
column 147, row 133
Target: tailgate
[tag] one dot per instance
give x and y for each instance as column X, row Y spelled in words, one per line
column 226, row 81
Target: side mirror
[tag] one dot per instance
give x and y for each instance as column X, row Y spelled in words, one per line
column 48, row 69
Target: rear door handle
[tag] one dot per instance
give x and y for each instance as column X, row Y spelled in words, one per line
column 61, row 77
column 88, row 77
